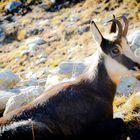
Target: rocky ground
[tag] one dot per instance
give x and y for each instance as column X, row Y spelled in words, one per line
column 52, row 43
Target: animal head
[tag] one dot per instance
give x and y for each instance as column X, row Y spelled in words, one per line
column 118, row 58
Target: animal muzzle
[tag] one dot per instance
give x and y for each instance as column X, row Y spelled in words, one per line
column 136, row 70
column 137, row 74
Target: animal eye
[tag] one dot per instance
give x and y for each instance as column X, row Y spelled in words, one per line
column 115, row 51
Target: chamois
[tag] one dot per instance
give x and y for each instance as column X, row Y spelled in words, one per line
column 82, row 107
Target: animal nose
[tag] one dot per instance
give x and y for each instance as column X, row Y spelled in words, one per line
column 136, row 67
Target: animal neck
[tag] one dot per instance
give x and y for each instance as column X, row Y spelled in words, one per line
column 99, row 79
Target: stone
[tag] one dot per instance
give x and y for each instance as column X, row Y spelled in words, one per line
column 128, row 86
column 25, row 52
column 12, row 6
column 83, row 29
column 43, row 55
column 34, row 43
column 134, row 40
column 35, row 40
column 26, row 96
column 38, row 74
column 35, row 31
column 53, row 1
column 4, row 97
column 34, row 82
column 51, row 80
column 2, row 35
column 8, row 80
column 40, row 61
column 45, row 22
column 74, row 18
column 71, row 68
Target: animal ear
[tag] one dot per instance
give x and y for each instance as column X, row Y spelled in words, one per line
column 96, row 33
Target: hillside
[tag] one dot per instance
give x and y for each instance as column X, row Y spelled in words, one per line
column 38, row 42
column 63, row 29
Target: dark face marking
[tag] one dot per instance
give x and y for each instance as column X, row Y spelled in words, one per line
column 112, row 49
column 127, row 62
column 107, row 46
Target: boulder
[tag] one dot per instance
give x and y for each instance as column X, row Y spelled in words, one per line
column 74, row 18
column 35, row 31
column 45, row 22
column 51, row 80
column 34, row 82
column 34, row 43
column 8, row 80
column 27, row 95
column 40, row 61
column 71, row 68
column 42, row 73
column 134, row 40
column 4, row 97
column 128, row 86
column 43, row 55
column 53, row 1
column 11, row 6
column 83, row 29
column 2, row 35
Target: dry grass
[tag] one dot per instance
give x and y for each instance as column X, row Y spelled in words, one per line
column 129, row 106
column 118, row 102
column 66, row 35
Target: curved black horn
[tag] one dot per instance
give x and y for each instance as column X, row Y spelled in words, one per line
column 119, row 28
column 125, row 26
column 118, row 23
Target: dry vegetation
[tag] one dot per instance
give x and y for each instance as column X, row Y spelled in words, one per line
column 64, row 42
column 67, row 33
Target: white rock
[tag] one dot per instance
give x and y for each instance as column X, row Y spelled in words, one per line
column 128, row 86
column 25, row 52
column 44, row 22
column 2, row 35
column 51, row 80
column 137, row 53
column 34, row 43
column 53, row 1
column 29, row 74
column 26, row 96
column 8, row 79
column 41, row 60
column 71, row 67
column 83, row 29
column 74, row 18
column 31, row 82
column 35, row 40
column 38, row 74
column 43, row 55
column 4, row 96
column 133, row 36
column 134, row 40
column 119, row 114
